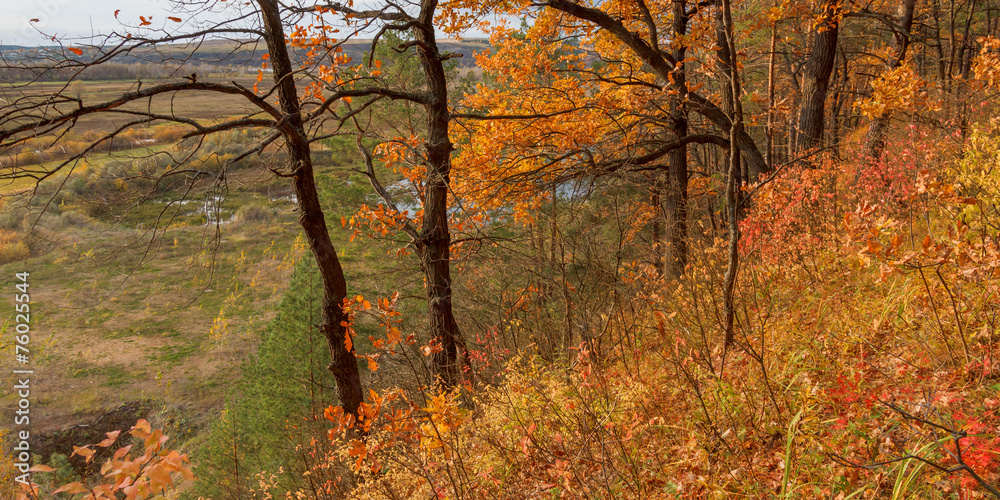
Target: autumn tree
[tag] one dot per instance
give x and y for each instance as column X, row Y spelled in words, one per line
column 901, row 27
column 638, row 97
column 431, row 160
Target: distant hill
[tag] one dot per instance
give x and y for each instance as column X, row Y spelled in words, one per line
column 219, row 54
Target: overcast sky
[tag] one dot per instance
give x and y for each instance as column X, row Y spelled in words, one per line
column 73, row 18
column 82, row 18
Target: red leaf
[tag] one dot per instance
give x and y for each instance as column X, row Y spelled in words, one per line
column 76, row 51
column 34, row 20
column 174, row 19
column 116, row 13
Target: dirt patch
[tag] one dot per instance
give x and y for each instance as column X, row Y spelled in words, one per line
column 90, row 431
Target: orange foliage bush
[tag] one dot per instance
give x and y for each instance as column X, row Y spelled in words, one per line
column 125, row 474
column 168, row 133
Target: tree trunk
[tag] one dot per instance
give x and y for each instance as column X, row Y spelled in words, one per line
column 769, row 157
column 875, row 139
column 731, row 104
column 732, row 188
column 816, row 78
column 344, row 365
column 434, row 243
column 965, row 55
column 677, row 186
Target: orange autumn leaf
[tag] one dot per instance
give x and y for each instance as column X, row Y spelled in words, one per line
column 84, row 452
column 112, row 436
column 71, row 488
column 76, row 51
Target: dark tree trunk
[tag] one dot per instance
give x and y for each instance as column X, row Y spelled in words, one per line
column 732, row 187
column 434, row 243
column 677, row 186
column 344, row 365
column 965, row 54
column 938, row 46
column 725, row 57
column 875, row 139
column 769, row 156
column 816, row 78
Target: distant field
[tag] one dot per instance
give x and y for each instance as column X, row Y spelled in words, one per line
column 199, row 105
column 176, row 329
column 107, row 332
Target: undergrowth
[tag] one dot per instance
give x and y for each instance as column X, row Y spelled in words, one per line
column 863, row 364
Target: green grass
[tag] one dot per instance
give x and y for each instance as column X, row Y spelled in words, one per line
column 90, row 301
column 112, row 375
column 176, row 354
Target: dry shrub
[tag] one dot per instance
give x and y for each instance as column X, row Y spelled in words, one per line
column 27, row 158
column 13, row 247
column 253, row 214
column 131, row 138
column 7, row 470
column 169, row 133
column 584, row 432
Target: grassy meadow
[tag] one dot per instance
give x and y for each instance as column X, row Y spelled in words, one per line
column 152, row 301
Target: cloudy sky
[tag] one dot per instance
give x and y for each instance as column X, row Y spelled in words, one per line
column 72, row 18
column 81, row 18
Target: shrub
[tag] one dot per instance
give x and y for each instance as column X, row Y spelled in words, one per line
column 13, row 218
column 169, row 133
column 126, row 473
column 254, row 213
column 12, row 247
column 7, row 470
column 72, row 218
